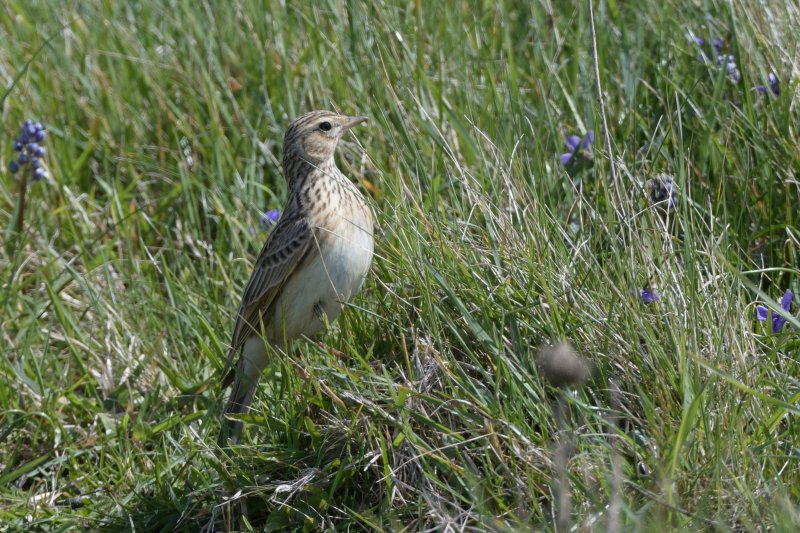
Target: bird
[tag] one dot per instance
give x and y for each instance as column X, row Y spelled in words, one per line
column 313, row 262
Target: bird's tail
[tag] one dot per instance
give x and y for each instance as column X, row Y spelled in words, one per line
column 245, row 380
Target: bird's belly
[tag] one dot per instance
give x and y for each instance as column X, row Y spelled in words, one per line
column 332, row 275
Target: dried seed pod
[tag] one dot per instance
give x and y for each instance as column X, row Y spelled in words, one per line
column 560, row 366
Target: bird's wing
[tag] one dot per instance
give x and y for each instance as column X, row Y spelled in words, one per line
column 285, row 248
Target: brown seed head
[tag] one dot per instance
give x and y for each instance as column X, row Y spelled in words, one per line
column 561, row 366
column 311, row 140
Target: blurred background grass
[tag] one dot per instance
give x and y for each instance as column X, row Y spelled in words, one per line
column 424, row 409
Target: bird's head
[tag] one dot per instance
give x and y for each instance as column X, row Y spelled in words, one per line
column 312, row 138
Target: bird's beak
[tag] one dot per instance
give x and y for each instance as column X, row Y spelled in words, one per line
column 353, row 121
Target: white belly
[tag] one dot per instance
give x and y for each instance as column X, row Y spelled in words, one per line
column 333, row 275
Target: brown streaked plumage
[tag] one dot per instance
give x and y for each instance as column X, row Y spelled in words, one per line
column 313, row 262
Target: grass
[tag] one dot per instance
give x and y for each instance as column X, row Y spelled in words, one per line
column 423, row 410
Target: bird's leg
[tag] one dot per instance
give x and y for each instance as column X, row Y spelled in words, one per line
column 320, row 313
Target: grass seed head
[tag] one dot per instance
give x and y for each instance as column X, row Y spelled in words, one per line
column 561, row 366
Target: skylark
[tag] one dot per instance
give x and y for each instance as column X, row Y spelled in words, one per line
column 314, row 261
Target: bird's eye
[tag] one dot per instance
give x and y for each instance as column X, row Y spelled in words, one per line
column 325, row 126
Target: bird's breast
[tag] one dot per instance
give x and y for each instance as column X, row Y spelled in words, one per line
column 332, row 272
column 345, row 243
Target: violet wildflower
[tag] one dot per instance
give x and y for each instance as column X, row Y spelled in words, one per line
column 717, row 44
column 649, row 295
column 728, row 61
column 579, row 149
column 30, row 150
column 778, row 320
column 269, row 218
column 733, row 70
column 774, row 85
column 662, row 189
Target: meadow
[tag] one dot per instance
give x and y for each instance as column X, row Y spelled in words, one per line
column 661, row 246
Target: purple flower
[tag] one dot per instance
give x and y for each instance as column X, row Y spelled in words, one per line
column 30, row 151
column 717, row 44
column 649, row 295
column 578, row 148
column 778, row 320
column 269, row 218
column 662, row 189
column 728, row 61
column 774, row 85
column 733, row 70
